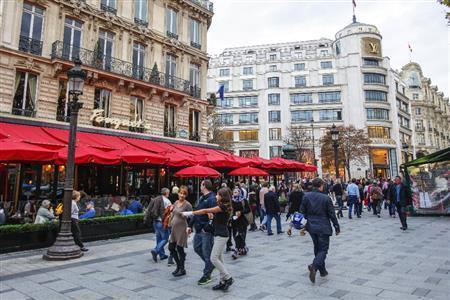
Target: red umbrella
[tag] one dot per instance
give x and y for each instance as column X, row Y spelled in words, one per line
column 248, row 171
column 197, row 171
column 15, row 151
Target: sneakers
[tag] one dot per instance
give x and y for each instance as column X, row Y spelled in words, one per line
column 280, row 232
column 312, row 273
column 154, row 256
column 219, row 286
column 270, row 233
column 84, row 249
column 204, row 280
column 163, row 257
column 324, row 273
column 227, row 284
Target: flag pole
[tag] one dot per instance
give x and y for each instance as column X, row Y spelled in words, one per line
column 354, row 5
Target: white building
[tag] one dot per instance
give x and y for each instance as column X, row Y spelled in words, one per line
column 345, row 81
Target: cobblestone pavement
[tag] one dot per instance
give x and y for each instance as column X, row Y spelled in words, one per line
column 371, row 259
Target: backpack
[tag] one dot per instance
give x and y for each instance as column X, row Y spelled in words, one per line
column 297, row 220
column 167, row 218
column 149, row 216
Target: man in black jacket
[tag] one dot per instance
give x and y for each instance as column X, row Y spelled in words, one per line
column 400, row 195
column 318, row 210
column 272, row 206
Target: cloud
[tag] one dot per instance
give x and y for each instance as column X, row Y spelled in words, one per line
column 420, row 23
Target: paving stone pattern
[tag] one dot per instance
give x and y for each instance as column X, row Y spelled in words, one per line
column 371, row 259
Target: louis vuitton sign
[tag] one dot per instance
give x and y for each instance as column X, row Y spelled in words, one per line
column 371, row 46
column 98, row 117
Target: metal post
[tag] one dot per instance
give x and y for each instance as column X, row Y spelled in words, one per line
column 313, row 144
column 64, row 247
column 336, row 159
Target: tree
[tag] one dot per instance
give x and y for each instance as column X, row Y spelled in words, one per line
column 445, row 2
column 353, row 146
column 300, row 138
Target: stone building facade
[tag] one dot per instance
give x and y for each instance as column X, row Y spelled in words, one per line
column 146, row 62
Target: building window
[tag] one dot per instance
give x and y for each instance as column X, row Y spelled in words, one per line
column 249, row 153
column 30, row 39
column 274, row 116
column 105, row 47
column 228, row 136
column 25, row 87
column 195, row 34
column 301, row 116
column 226, row 102
column 378, row 96
column 138, row 60
column 248, row 101
column 324, row 53
column 420, row 137
column 136, row 113
column 377, row 114
column 72, row 38
column 194, row 125
column 330, row 115
column 379, row 132
column 272, row 57
column 109, row 5
column 248, row 71
column 402, row 105
column 402, row 121
column 272, row 68
column 170, row 121
column 415, row 96
column 370, row 62
column 275, row 151
column 247, row 84
column 300, row 81
column 374, row 78
column 327, row 79
column 419, row 125
column 248, row 135
column 171, row 23
column 226, row 119
column 224, row 72
column 62, row 110
column 326, row 65
column 248, row 118
column 274, row 134
column 299, row 67
column 329, row 97
column 140, row 12
column 274, row 99
column 194, row 75
column 301, row 98
column 273, row 82
column 418, row 111
column 102, row 101
column 171, row 70
column 226, row 85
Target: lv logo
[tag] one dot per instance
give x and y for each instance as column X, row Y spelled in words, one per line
column 373, row 48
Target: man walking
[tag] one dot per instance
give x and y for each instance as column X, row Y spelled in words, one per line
column 400, row 195
column 156, row 209
column 338, row 191
column 353, row 198
column 318, row 210
column 203, row 238
column 262, row 214
column 272, row 205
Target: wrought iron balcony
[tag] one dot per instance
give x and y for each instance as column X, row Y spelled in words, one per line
column 23, row 112
column 172, row 35
column 194, row 137
column 170, row 133
column 108, row 8
column 62, row 117
column 97, row 60
column 141, row 22
column 30, row 45
column 205, row 4
column 196, row 45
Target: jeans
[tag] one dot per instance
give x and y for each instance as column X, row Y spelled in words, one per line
column 376, row 207
column 340, row 204
column 352, row 199
column 321, row 244
column 392, row 209
column 217, row 257
column 162, row 237
column 269, row 222
column 402, row 215
column 262, row 216
column 203, row 244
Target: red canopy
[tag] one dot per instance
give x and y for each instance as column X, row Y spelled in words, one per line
column 133, row 155
column 290, row 165
column 14, row 151
column 89, row 155
column 197, row 171
column 248, row 171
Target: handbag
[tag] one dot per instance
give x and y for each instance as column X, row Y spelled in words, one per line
column 249, row 217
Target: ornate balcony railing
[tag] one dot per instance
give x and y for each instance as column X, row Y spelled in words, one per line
column 196, row 45
column 108, row 8
column 141, row 22
column 97, row 60
column 30, row 45
column 170, row 133
column 24, row 112
column 172, row 35
column 205, row 4
column 194, row 137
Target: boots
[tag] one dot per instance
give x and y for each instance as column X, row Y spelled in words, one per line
column 181, row 272
column 176, row 270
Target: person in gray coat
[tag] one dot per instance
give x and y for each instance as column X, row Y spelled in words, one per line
column 44, row 214
column 318, row 210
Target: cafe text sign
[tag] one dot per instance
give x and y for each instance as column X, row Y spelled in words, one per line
column 97, row 116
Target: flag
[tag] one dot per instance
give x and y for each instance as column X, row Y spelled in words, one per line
column 354, row 3
column 221, row 91
column 409, row 46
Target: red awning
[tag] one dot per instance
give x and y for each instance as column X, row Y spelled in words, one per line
column 132, row 155
column 16, row 151
column 89, row 155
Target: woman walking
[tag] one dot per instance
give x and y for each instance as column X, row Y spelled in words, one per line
column 178, row 237
column 222, row 213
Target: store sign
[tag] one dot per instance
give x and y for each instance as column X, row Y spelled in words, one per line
column 383, row 141
column 183, row 133
column 97, row 116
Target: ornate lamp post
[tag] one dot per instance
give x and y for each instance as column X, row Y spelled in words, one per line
column 64, row 247
column 335, row 137
column 313, row 142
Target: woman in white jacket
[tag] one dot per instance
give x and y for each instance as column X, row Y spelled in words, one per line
column 44, row 214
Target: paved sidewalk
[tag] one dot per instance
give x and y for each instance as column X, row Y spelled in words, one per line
column 371, row 259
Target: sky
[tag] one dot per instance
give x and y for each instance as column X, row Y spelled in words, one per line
column 421, row 23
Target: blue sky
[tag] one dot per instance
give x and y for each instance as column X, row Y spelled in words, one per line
column 420, row 23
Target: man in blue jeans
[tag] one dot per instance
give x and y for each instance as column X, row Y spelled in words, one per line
column 353, row 198
column 272, row 205
column 156, row 208
column 203, row 238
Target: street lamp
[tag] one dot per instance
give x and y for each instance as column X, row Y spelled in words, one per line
column 64, row 247
column 313, row 142
column 334, row 138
